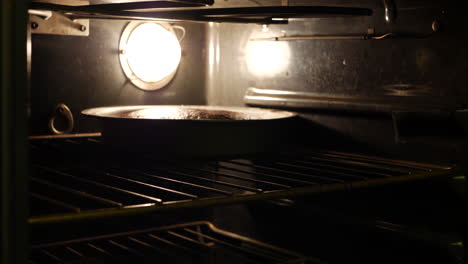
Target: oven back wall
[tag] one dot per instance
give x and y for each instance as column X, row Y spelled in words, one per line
column 84, row 72
column 418, row 67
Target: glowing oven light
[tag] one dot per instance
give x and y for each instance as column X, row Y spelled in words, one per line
column 267, row 58
column 153, row 52
column 150, row 54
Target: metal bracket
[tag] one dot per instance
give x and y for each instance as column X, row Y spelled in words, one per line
column 41, row 13
column 57, row 23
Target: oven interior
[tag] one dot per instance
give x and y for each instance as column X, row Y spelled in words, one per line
column 371, row 171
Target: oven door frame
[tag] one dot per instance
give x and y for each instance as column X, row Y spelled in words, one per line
column 13, row 131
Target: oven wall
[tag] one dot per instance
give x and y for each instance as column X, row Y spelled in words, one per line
column 84, row 72
column 431, row 66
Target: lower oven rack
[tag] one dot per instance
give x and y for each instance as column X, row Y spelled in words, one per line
column 194, row 242
column 80, row 178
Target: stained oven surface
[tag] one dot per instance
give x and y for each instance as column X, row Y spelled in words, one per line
column 370, row 168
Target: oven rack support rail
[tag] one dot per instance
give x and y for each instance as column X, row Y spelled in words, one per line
column 81, row 179
column 192, row 241
column 257, row 15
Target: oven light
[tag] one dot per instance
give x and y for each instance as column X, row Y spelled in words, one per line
column 150, row 54
column 267, row 58
column 153, row 52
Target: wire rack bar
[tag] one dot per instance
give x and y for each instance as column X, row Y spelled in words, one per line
column 81, row 179
column 201, row 240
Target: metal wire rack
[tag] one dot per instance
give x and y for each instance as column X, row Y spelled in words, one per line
column 196, row 242
column 179, row 11
column 81, row 179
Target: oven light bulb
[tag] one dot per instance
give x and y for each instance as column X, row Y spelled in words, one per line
column 153, row 52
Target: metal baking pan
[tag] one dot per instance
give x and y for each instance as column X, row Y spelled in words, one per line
column 192, row 130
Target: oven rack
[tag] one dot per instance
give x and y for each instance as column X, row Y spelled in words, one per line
column 192, row 11
column 194, row 242
column 81, row 178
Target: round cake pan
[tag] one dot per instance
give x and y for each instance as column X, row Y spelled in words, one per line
column 194, row 131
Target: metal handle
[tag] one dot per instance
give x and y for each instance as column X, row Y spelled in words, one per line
column 64, row 111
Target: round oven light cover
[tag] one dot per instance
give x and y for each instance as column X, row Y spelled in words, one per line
column 150, row 54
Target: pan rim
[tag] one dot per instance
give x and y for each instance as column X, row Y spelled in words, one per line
column 110, row 112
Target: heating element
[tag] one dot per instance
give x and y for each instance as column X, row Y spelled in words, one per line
column 196, row 242
column 81, row 178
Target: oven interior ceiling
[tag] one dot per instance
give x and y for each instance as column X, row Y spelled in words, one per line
column 373, row 169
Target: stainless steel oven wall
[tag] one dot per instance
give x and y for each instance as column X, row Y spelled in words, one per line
column 84, row 72
column 431, row 64
column 415, row 66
